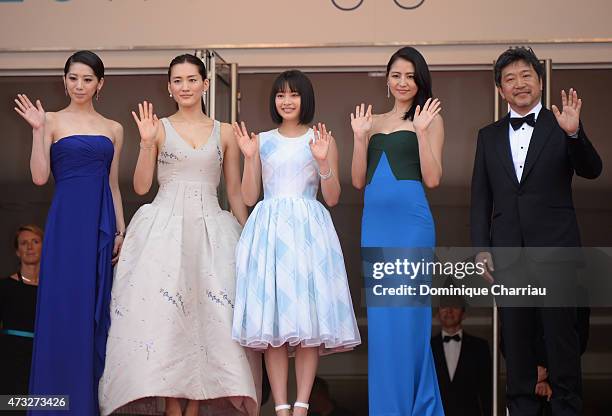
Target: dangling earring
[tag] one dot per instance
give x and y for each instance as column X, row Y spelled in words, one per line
column 388, row 91
column 65, row 90
column 97, row 94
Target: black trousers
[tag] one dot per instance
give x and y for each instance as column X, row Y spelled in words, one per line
column 524, row 327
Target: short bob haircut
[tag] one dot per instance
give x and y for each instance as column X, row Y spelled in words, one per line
column 27, row 227
column 87, row 58
column 298, row 82
column 422, row 77
column 518, row 53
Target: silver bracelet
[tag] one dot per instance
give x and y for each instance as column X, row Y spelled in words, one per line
column 326, row 175
column 151, row 146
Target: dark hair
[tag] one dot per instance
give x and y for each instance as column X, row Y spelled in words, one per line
column 188, row 58
column 517, row 53
column 87, row 58
column 452, row 301
column 298, row 82
column 422, row 77
column 28, row 227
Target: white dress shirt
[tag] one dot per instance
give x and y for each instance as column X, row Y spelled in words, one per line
column 519, row 140
column 452, row 350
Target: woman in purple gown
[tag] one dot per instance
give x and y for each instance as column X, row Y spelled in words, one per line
column 83, row 235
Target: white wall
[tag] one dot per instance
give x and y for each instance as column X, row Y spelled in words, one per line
column 308, row 33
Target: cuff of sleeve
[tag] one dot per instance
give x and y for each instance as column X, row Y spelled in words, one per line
column 574, row 135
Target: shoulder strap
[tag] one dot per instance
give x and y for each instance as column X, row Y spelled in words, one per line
column 217, row 132
column 167, row 127
column 216, row 137
column 264, row 136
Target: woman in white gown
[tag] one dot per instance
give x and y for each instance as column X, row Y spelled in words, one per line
column 173, row 293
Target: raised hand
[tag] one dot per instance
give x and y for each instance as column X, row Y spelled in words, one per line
column 319, row 145
column 423, row 117
column 569, row 116
column 361, row 120
column 148, row 123
column 34, row 115
column 247, row 143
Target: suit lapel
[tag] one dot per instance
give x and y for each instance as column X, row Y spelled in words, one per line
column 438, row 349
column 502, row 146
column 539, row 137
column 459, row 368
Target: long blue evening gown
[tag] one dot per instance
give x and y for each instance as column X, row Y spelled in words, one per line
column 72, row 313
column 401, row 373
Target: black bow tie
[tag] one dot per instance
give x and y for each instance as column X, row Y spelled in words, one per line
column 517, row 122
column 448, row 338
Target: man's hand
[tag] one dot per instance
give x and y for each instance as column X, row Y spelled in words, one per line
column 485, row 258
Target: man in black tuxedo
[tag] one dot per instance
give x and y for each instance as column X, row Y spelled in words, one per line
column 522, row 198
column 463, row 365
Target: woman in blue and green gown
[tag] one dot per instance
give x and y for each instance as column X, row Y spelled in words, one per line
column 394, row 155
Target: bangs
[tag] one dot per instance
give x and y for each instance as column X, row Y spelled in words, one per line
column 283, row 84
column 296, row 82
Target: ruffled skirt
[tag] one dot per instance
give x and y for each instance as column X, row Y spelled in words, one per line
column 291, row 284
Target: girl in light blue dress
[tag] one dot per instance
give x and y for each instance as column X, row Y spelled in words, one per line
column 292, row 294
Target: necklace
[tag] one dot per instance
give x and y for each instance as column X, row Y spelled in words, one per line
column 25, row 279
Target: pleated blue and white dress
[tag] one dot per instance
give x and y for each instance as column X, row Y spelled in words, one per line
column 291, row 284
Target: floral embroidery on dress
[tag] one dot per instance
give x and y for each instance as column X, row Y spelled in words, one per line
column 220, row 298
column 166, row 158
column 176, row 300
column 219, row 156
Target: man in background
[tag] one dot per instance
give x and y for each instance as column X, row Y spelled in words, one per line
column 463, row 363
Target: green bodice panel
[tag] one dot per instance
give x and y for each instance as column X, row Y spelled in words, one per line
column 402, row 151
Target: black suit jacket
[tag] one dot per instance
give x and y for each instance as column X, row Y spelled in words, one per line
column 538, row 210
column 470, row 391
